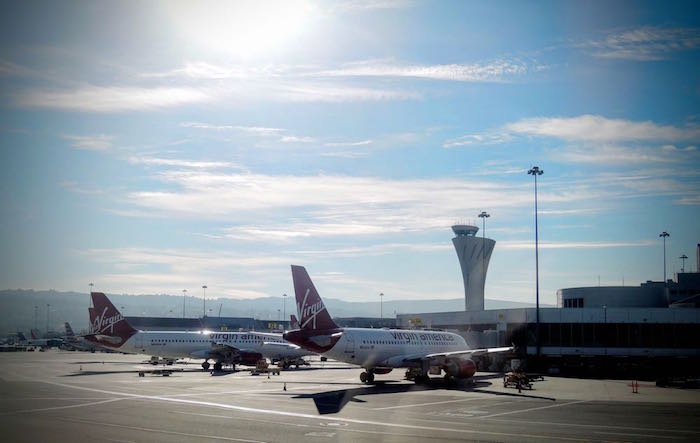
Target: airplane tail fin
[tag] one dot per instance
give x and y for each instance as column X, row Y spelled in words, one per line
column 21, row 336
column 106, row 320
column 312, row 312
column 69, row 330
column 293, row 322
column 32, row 335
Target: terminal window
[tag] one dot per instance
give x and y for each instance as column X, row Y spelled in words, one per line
column 573, row 303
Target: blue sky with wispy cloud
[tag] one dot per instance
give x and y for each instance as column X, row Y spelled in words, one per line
column 160, row 146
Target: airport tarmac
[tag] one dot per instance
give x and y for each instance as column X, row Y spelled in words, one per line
column 62, row 396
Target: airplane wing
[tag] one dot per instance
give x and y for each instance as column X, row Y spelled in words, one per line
column 398, row 360
column 278, row 345
column 222, row 351
column 472, row 352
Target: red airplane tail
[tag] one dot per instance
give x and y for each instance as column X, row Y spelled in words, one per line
column 108, row 325
column 32, row 335
column 312, row 312
column 293, row 322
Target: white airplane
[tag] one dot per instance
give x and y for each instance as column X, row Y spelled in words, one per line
column 111, row 330
column 378, row 351
column 38, row 342
column 77, row 341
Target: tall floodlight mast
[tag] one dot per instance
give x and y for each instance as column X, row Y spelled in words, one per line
column 204, row 301
column 683, row 259
column 664, row 235
column 535, row 171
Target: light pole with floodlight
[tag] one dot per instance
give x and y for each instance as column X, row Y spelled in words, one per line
column 483, row 216
column 664, row 235
column 284, row 307
column 204, row 301
column 184, row 297
column 381, row 305
column 683, row 259
column 535, row 171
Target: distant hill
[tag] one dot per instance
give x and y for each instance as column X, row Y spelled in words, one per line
column 17, row 308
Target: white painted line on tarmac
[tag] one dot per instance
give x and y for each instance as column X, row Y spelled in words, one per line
column 165, row 431
column 307, row 416
column 580, row 425
column 55, row 408
column 629, row 434
column 534, row 409
column 429, row 404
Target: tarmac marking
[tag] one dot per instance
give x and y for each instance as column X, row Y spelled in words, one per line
column 548, row 423
column 428, row 404
column 629, row 434
column 314, row 417
column 54, row 408
column 165, row 431
column 534, row 409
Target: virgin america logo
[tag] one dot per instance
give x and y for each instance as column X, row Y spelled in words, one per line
column 102, row 323
column 309, row 312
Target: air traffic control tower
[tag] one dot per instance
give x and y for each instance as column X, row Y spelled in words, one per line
column 474, row 254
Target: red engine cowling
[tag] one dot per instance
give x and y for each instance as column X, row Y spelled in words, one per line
column 460, row 368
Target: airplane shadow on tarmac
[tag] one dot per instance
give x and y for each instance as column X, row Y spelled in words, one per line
column 332, row 402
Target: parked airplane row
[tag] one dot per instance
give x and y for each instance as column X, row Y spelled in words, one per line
column 378, row 351
column 111, row 330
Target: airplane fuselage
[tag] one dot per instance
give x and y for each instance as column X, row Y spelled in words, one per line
column 389, row 347
column 183, row 344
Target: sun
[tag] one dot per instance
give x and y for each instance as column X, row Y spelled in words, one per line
column 243, row 28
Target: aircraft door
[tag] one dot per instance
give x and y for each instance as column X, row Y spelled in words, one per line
column 138, row 342
column 349, row 344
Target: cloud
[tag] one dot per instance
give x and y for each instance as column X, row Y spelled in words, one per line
column 478, row 140
column 111, row 99
column 252, row 130
column 348, row 144
column 334, row 206
column 612, row 154
column 151, row 270
column 598, row 128
column 645, row 44
column 295, row 139
column 99, row 142
column 190, row 164
column 496, row 70
column 575, row 245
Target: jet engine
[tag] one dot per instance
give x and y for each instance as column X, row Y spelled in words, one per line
column 460, row 368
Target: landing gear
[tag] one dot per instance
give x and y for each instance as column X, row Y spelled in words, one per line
column 218, row 366
column 367, row 377
column 205, row 365
column 422, row 379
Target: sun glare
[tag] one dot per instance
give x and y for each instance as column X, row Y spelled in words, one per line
column 243, row 28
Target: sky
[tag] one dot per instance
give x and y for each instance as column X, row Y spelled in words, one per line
column 156, row 147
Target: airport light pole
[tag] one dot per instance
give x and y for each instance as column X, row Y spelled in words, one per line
column 36, row 312
column 483, row 216
column 381, row 305
column 535, row 171
column 683, row 259
column 90, row 293
column 48, row 309
column 184, row 297
column 664, row 235
column 204, row 301
column 284, row 306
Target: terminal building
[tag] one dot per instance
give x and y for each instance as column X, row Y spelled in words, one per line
column 620, row 327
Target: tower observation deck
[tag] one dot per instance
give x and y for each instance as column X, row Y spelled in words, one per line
column 474, row 254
